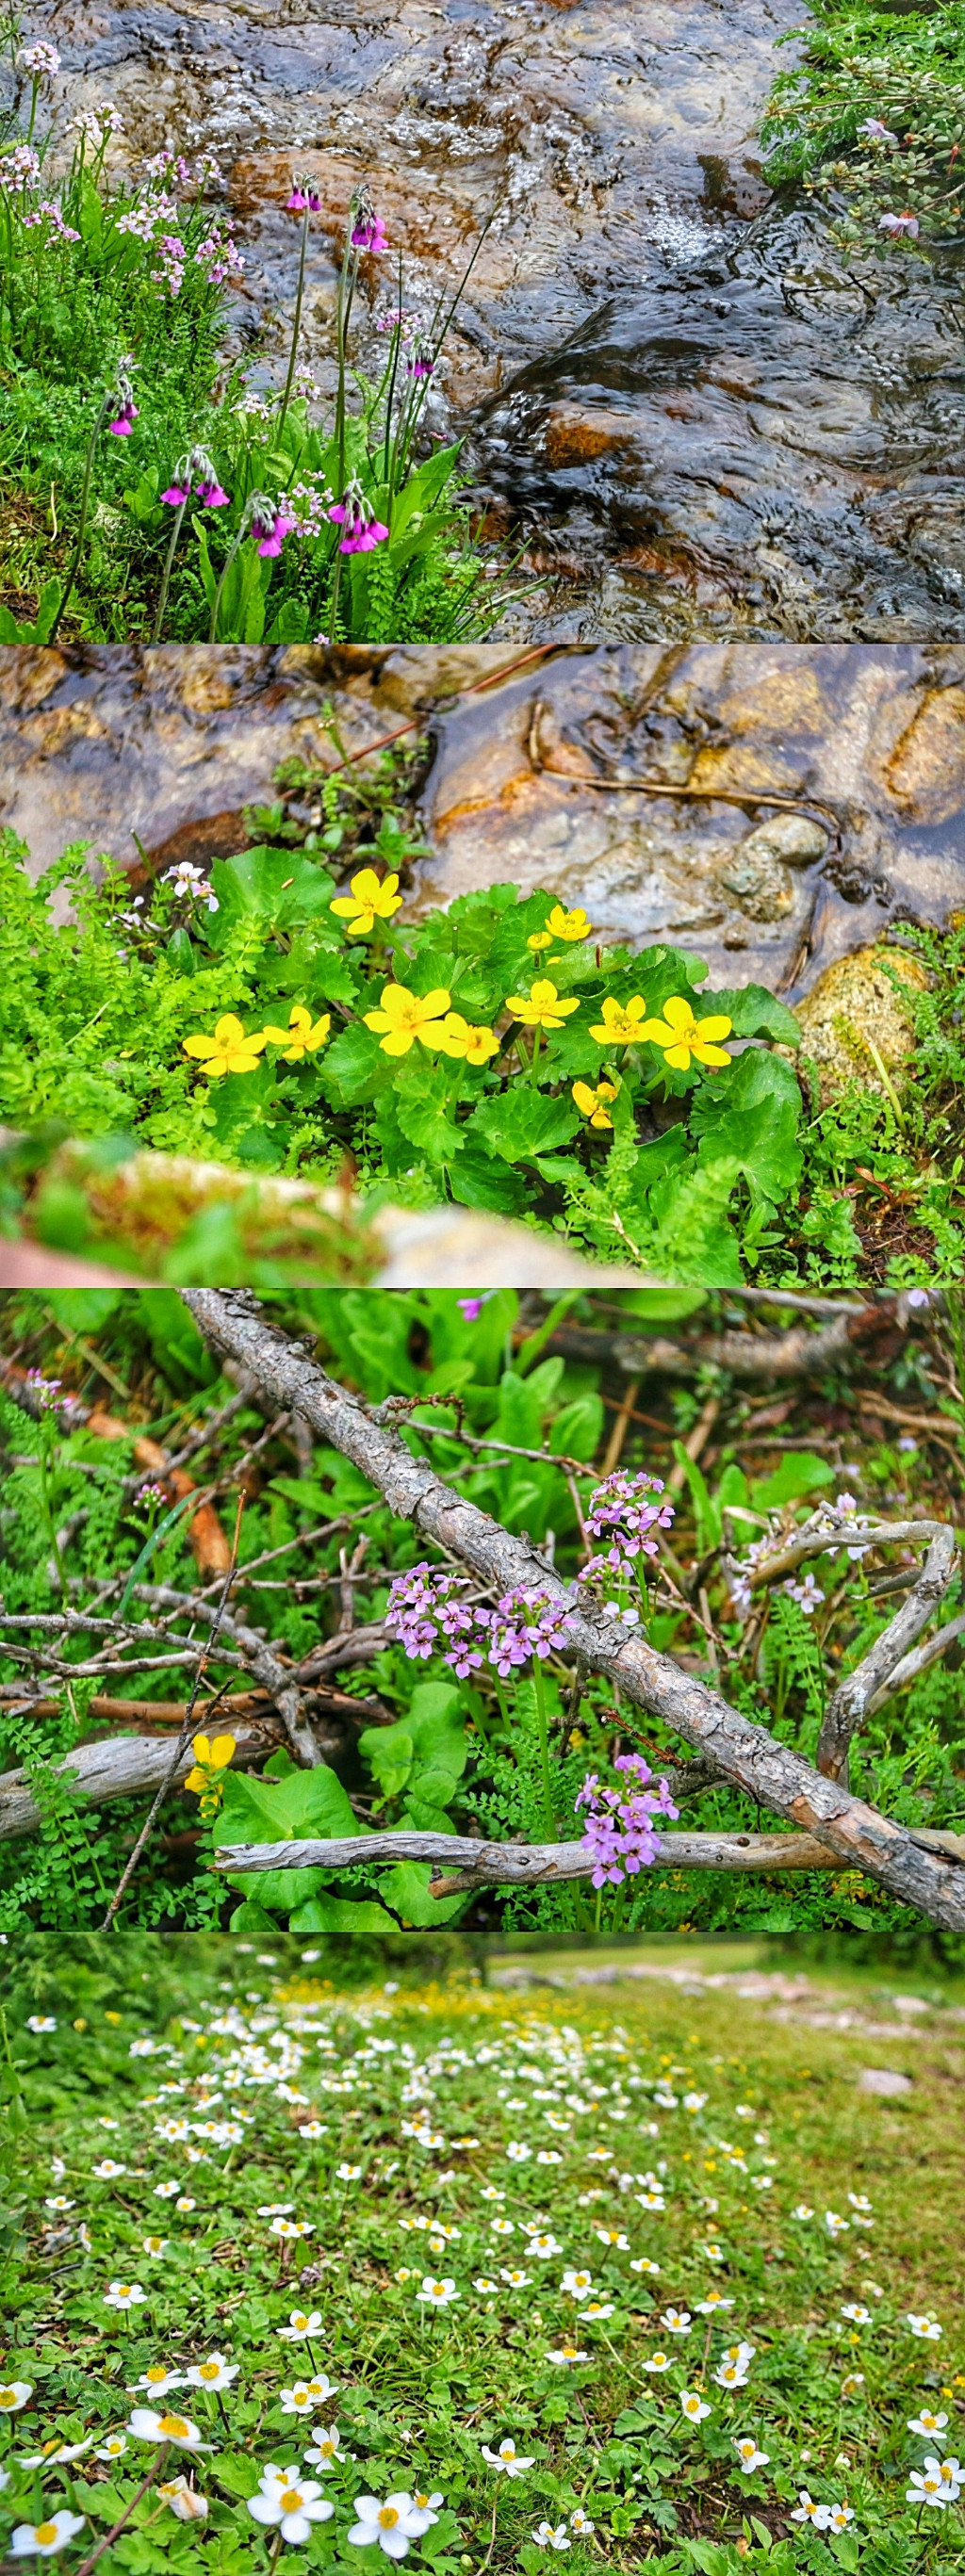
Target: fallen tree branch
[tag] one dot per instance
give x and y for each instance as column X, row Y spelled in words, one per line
column 849, row 1703
column 526, row 1864
column 749, row 1758
column 123, row 1766
column 798, row 1353
column 911, row 1665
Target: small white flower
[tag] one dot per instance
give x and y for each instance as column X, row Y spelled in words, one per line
column 613, row 2236
column 14, row 2395
column 643, row 2264
column 123, row 2295
column 437, row 2294
column 926, row 2328
column 658, row 2361
column 927, row 2425
column 298, row 2400
column 41, row 2539
column 749, row 2457
column 676, row 2320
column 836, row 2226
column 859, row 2316
column 567, row 2354
column 517, row 2152
column 59, row 2202
column 113, row 2449
column 348, row 2173
column 515, row 2279
column 146, row 2426
column 542, row 2244
column 714, row 2300
column 391, row 2525
column 290, row 2502
column 596, row 2309
column 579, row 2284
column 184, row 2203
column 166, row 2190
column 927, row 2486
column 807, row 2511
column 487, row 2289
column 546, row 2537
column 802, row 2211
column 41, row 2021
column 300, row 2325
column 157, row 2379
column 107, row 2170
column 581, row 2524
column 57, row 2454
column 851, row 2385
column 185, row 2502
column 693, row 2406
column 324, row 2451
column 156, row 2246
column 214, row 2373
column 508, row 2458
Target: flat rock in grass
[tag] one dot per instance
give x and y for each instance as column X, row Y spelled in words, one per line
column 884, row 2080
column 853, row 1016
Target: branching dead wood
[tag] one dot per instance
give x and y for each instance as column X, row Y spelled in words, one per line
column 858, row 1835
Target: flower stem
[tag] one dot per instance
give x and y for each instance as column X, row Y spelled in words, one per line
column 544, row 1749
column 166, row 575
column 225, row 569
column 84, row 497
column 534, row 1059
column 286, row 397
column 342, row 311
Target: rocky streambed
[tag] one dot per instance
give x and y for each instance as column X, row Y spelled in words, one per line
column 796, row 800
column 704, row 424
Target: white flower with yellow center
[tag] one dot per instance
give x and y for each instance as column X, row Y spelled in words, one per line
column 567, row 2354
column 56, row 2454
column 59, row 2202
column 749, row 2457
column 301, row 2325
column 348, row 2173
column 437, row 2294
column 551, row 2536
column 156, row 2246
column 41, row 2021
column 487, row 2289
column 676, row 2320
column 147, row 2426
column 579, row 2284
column 658, row 2361
column 124, row 2295
column 298, row 2400
column 693, row 2406
column 581, row 2524
column 42, row 2539
column 596, row 2310
column 709, row 2306
column 390, row 2526
column 14, row 2395
column 289, row 2501
column 325, row 2447
column 113, row 2449
column 507, row 2458
column 107, row 2170
column 927, row 2425
column 643, row 2264
column 214, row 2374
column 157, row 2379
column 927, row 2329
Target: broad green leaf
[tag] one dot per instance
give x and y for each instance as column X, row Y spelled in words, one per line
column 523, row 1123
column 799, row 1473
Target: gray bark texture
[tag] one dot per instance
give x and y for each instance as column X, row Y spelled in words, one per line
column 860, row 1837
column 123, row 1766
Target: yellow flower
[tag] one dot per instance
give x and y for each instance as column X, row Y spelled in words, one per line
column 567, row 925
column 543, row 1009
column 680, row 1036
column 300, row 1038
column 404, row 1016
column 623, row 1022
column 540, row 939
column 228, row 1051
column 210, row 1754
column 372, row 899
column 457, row 1037
column 593, row 1104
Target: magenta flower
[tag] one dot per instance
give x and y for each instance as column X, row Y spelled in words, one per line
column 353, row 514
column 364, row 225
column 470, row 1307
column 211, row 495
column 195, row 471
column 269, row 526
column 126, row 418
column 622, row 1513
column 620, row 1829
column 421, row 360
column 303, row 195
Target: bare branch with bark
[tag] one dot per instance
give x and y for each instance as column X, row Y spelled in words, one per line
column 123, row 1766
column 525, row 1864
column 858, row 1835
column 852, row 1697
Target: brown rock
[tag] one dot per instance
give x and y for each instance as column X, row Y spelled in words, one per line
column 853, row 1016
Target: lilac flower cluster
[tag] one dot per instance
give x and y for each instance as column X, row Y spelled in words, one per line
column 190, row 886
column 48, row 1393
column 49, row 213
column 806, row 1594
column 621, row 1512
column 620, row 1827
column 427, row 1607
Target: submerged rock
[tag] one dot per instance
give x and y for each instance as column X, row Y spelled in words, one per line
column 854, row 1023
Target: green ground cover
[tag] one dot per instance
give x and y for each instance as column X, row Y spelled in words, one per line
column 873, row 122
column 220, row 2152
column 286, row 1015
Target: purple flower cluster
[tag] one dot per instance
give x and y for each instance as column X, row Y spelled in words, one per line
column 621, row 1512
column 620, row 1826
column 427, row 1608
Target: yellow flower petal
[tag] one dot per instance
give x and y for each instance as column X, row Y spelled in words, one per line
column 221, row 1752
column 201, row 1748
column 679, row 1014
column 568, row 925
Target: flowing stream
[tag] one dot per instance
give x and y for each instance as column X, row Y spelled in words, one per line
column 705, row 423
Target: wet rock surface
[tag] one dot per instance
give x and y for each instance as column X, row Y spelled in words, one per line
column 531, row 777
column 709, row 426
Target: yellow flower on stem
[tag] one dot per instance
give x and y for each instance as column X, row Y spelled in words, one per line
column 542, row 1007
column 228, row 1051
column 301, row 1037
column 567, row 925
column 403, row 1016
column 457, row 1037
column 372, row 899
column 540, row 939
column 623, row 1022
column 211, row 1754
column 593, row 1105
column 680, row 1035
